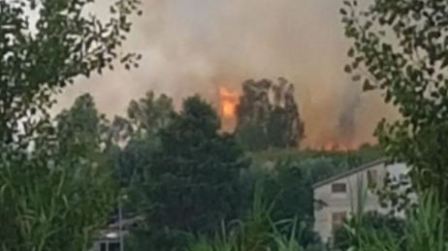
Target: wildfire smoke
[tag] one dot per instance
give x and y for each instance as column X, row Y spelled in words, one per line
column 188, row 46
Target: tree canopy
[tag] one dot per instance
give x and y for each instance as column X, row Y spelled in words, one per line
column 399, row 48
column 268, row 115
column 138, row 134
column 191, row 182
column 55, row 191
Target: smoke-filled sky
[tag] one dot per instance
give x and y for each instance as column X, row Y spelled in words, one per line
column 194, row 46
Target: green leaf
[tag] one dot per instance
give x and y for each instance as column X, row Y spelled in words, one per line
column 367, row 86
column 356, row 77
column 351, row 52
column 348, row 69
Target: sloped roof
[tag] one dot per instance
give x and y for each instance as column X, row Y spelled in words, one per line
column 349, row 172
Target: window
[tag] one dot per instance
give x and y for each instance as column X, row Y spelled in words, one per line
column 338, row 188
column 372, row 178
column 114, row 246
column 338, row 219
column 110, row 246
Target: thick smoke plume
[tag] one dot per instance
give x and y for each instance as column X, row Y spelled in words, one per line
column 192, row 46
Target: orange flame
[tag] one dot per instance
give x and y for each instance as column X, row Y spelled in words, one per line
column 228, row 100
column 335, row 146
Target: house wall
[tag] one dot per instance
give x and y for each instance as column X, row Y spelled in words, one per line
column 357, row 194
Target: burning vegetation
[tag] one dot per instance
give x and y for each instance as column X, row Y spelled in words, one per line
column 266, row 115
column 338, row 146
column 228, row 101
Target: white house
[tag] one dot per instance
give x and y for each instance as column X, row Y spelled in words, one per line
column 339, row 197
column 109, row 239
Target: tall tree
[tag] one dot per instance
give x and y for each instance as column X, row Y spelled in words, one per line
column 268, row 115
column 138, row 134
column 399, row 47
column 46, row 196
column 81, row 130
column 151, row 114
column 65, row 44
column 191, row 182
column 82, row 136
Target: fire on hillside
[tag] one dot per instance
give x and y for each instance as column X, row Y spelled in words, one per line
column 228, row 103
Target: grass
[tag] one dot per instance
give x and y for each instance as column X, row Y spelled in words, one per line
column 257, row 232
column 425, row 230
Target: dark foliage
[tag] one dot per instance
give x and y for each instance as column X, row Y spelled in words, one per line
column 192, row 181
